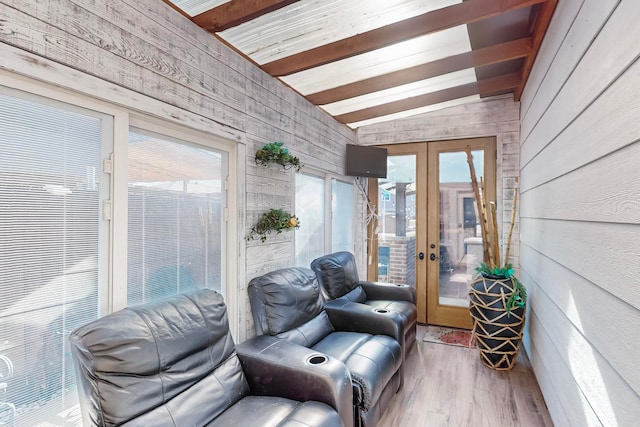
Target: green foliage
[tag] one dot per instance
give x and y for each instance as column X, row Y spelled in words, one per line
column 519, row 296
column 274, row 220
column 276, row 152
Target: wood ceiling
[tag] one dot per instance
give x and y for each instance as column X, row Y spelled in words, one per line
column 504, row 37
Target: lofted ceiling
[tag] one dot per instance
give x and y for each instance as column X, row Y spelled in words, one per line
column 367, row 61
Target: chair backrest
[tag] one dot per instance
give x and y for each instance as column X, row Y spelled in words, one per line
column 288, row 304
column 168, row 362
column 338, row 275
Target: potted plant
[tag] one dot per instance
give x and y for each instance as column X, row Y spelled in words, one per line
column 497, row 299
column 275, row 220
column 276, row 152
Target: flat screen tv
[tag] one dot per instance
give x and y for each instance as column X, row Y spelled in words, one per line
column 366, row 161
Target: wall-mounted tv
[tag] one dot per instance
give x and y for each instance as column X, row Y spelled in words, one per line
column 366, row 161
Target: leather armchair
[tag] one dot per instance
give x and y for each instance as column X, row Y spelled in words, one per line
column 288, row 305
column 338, row 275
column 173, row 362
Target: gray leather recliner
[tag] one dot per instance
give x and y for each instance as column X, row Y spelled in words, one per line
column 174, row 363
column 338, row 275
column 287, row 304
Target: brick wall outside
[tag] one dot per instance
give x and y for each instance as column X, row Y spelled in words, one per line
column 402, row 262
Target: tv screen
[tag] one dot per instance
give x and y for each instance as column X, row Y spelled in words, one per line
column 366, row 161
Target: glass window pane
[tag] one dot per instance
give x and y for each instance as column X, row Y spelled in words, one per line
column 460, row 248
column 309, row 238
column 175, row 231
column 50, row 198
column 397, row 221
column 341, row 216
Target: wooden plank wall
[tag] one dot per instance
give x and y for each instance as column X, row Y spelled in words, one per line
column 497, row 116
column 148, row 57
column 580, row 213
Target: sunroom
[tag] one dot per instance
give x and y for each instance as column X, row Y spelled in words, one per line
column 128, row 139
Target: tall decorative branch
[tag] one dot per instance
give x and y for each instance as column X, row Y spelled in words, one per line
column 495, row 236
column 514, row 203
column 481, row 212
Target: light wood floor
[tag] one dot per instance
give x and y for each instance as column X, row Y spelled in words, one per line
column 446, row 385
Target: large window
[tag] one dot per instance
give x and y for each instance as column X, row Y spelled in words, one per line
column 310, row 203
column 52, row 248
column 175, row 233
column 93, row 219
column 322, row 230
column 342, row 216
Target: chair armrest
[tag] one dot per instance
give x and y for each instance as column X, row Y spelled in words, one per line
column 388, row 291
column 351, row 316
column 274, row 367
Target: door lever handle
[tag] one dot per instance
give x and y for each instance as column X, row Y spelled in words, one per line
column 433, row 257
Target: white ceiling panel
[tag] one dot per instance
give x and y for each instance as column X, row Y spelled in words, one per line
column 415, row 111
column 392, row 58
column 401, row 92
column 196, row 7
column 307, row 24
column 347, row 49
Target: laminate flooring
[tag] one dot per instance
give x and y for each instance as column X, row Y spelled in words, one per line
column 445, row 385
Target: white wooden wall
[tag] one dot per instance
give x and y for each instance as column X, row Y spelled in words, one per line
column 497, row 116
column 580, row 213
column 148, row 57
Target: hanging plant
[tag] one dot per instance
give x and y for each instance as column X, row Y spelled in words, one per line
column 276, row 152
column 275, row 220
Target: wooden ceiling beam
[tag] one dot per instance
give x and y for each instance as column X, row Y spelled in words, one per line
column 539, row 30
column 237, row 12
column 477, row 58
column 430, row 22
column 481, row 87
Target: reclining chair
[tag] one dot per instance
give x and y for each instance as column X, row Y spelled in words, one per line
column 338, row 275
column 173, row 363
column 287, row 304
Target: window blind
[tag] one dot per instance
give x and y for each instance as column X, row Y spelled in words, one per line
column 175, row 230
column 50, row 231
column 342, row 215
column 310, row 205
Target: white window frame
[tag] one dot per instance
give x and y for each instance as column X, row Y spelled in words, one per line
column 123, row 119
column 345, row 180
column 328, row 194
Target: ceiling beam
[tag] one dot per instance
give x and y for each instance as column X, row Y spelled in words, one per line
column 476, row 58
column 237, row 12
column 481, row 87
column 539, row 29
column 430, row 22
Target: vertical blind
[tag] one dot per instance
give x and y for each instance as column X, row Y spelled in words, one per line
column 50, row 233
column 310, row 203
column 175, row 230
column 342, row 215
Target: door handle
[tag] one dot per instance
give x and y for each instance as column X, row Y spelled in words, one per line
column 433, row 257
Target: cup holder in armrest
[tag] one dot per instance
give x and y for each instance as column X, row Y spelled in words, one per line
column 317, row 359
column 381, row 310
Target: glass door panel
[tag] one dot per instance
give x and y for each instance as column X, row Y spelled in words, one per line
column 460, row 241
column 396, row 229
column 454, row 239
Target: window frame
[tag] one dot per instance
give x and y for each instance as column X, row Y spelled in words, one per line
column 124, row 118
column 328, row 178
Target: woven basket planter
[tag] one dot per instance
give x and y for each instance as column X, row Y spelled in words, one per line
column 497, row 333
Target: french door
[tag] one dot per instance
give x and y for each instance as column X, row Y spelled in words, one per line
column 427, row 232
